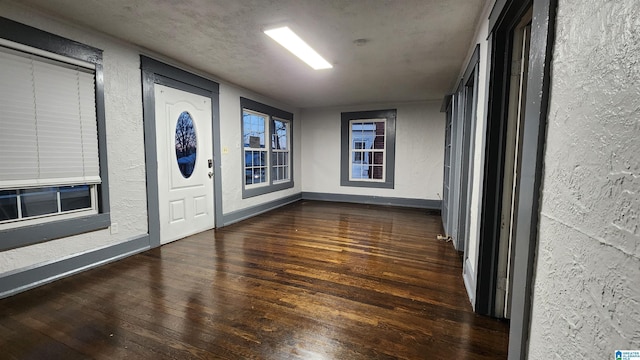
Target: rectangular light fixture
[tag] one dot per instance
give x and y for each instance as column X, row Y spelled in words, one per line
column 292, row 42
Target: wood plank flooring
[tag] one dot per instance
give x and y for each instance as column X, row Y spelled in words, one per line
column 312, row 280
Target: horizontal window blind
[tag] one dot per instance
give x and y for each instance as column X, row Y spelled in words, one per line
column 48, row 130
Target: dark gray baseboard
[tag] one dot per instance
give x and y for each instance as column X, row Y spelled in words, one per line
column 21, row 280
column 236, row 216
column 374, row 200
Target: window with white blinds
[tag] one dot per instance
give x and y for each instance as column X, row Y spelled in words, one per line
column 48, row 129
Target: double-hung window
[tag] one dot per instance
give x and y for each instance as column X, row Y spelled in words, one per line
column 256, row 154
column 368, row 148
column 280, row 151
column 266, row 137
column 50, row 167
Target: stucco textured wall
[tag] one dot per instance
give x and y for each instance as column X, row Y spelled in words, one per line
column 419, row 140
column 125, row 145
column 586, row 298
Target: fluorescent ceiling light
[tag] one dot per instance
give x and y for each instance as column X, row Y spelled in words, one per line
column 292, row 42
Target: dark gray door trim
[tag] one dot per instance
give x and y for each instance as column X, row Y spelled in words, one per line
column 504, row 17
column 534, row 138
column 155, row 72
column 446, row 178
column 467, row 118
column 492, row 182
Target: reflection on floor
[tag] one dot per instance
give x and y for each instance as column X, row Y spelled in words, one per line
column 312, row 280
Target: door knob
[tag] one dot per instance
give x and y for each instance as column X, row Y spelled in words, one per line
column 210, row 174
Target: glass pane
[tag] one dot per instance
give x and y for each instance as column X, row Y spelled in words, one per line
column 378, row 142
column 8, row 205
column 263, row 158
column 281, row 173
column 246, row 128
column 357, row 157
column 359, row 171
column 36, row 202
column 376, row 172
column 248, row 178
column 248, row 159
column 280, row 129
column 357, row 127
column 363, row 135
column 186, row 144
column 258, row 175
column 261, row 133
column 75, row 197
column 253, row 127
column 378, row 158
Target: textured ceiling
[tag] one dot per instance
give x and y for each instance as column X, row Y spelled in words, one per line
column 414, row 48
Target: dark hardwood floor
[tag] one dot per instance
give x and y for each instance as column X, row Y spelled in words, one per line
column 312, row 280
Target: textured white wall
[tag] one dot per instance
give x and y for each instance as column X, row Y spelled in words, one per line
column 125, row 146
column 586, row 298
column 419, row 151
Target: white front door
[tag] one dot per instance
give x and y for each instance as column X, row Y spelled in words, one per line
column 185, row 167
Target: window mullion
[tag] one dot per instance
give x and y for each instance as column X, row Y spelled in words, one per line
column 58, row 200
column 19, row 200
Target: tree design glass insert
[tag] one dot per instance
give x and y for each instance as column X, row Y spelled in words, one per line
column 186, row 144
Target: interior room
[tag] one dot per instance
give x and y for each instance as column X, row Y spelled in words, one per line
column 426, row 179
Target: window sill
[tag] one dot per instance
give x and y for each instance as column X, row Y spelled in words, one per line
column 368, row 184
column 251, row 192
column 33, row 234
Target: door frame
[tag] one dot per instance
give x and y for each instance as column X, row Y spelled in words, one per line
column 156, row 72
column 503, row 18
column 446, row 174
column 469, row 103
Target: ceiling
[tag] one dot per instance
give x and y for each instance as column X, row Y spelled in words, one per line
column 413, row 49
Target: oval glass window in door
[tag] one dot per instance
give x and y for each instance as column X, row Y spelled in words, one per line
column 186, row 144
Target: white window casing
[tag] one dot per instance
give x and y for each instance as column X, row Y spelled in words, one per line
column 360, row 148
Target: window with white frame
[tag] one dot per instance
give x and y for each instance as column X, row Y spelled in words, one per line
column 367, row 137
column 280, row 151
column 267, row 155
column 368, row 148
column 51, row 176
column 256, row 155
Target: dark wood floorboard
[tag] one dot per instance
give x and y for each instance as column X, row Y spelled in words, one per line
column 312, row 280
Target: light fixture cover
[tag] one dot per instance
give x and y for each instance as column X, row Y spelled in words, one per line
column 292, row 42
